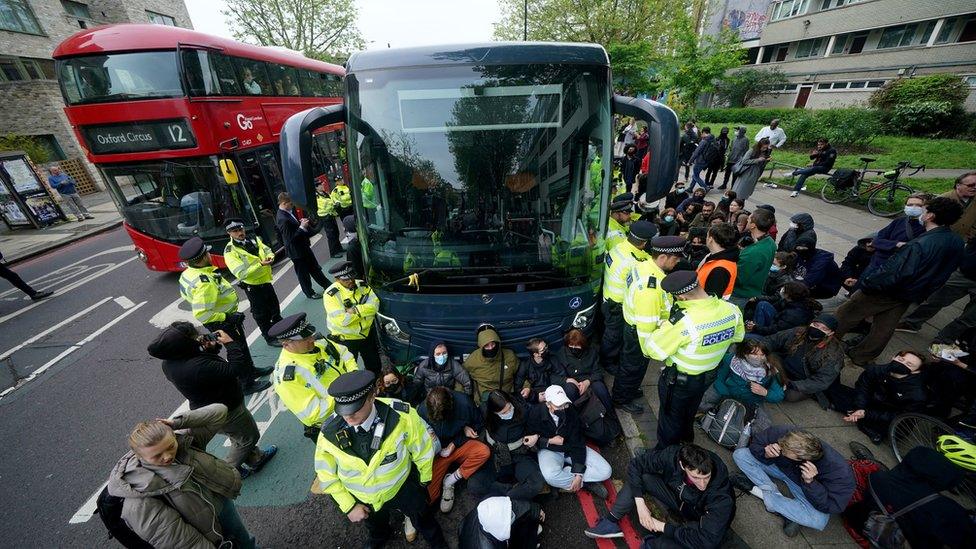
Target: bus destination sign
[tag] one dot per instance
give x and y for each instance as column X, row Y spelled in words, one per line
column 139, row 137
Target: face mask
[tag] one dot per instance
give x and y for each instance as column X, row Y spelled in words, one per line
column 774, row 268
column 507, row 416
column 440, row 359
column 816, row 334
column 756, row 361
column 576, row 352
column 914, row 211
column 668, row 218
column 794, row 225
column 679, row 189
column 490, row 353
column 896, row 367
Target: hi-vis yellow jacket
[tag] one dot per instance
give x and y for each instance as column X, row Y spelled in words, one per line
column 247, row 267
column 302, row 379
column 209, row 294
column 350, row 325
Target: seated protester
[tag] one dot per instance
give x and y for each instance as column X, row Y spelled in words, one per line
column 735, row 207
column 646, row 210
column 741, row 224
column 540, row 370
column 696, row 250
column 685, row 216
column 686, row 484
column 667, row 223
column 856, row 263
column 501, row 522
column 676, row 196
column 816, row 268
column 716, row 273
column 952, row 380
column 176, row 495
column 724, row 205
column 565, row 460
column 456, row 422
column 440, row 369
column 491, row 363
column 697, row 197
column 773, row 231
column 899, row 232
column 393, row 384
column 941, row 522
column 812, row 358
column 800, row 233
column 750, row 375
column 780, row 272
column 581, row 362
column 513, row 471
column 790, row 308
column 881, row 393
column 706, row 213
column 819, row 478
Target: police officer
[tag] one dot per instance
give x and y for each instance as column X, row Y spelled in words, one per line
column 350, row 307
column 326, row 210
column 620, row 259
column 621, row 207
column 306, row 367
column 214, row 303
column 249, row 260
column 691, row 343
column 375, row 454
column 646, row 305
column 342, row 198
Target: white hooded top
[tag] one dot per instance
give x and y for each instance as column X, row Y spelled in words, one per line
column 495, row 515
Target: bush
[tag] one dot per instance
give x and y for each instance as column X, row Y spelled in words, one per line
column 35, row 151
column 929, row 118
column 844, row 128
column 741, row 115
column 942, row 88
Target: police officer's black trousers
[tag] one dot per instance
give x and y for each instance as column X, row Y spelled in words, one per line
column 264, row 306
column 411, row 500
column 306, row 268
column 15, row 279
column 613, row 323
column 366, row 348
column 331, row 231
column 680, row 395
column 237, row 353
column 633, row 366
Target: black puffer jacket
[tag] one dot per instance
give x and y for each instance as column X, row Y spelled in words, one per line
column 883, row 397
column 524, row 533
column 919, row 268
column 789, row 314
column 715, row 505
column 802, row 235
column 201, row 377
column 540, row 375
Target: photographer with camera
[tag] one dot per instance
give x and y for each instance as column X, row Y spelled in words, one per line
column 192, row 363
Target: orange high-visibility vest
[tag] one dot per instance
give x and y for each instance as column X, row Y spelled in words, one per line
column 706, row 269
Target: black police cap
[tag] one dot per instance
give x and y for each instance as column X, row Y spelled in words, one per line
column 643, row 230
column 343, row 270
column 291, row 327
column 622, row 202
column 350, row 391
column 680, row 282
column 234, row 224
column 193, row 249
column 674, row 245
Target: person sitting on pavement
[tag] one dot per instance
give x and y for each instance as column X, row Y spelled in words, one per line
column 750, row 375
column 696, row 250
column 502, row 522
column 440, row 369
column 565, row 461
column 856, row 263
column 176, row 494
column 811, row 356
column 514, row 471
column 752, row 267
column 881, row 393
column 192, row 363
column 717, row 272
column 581, row 363
column 538, row 371
column 684, row 217
column 393, row 384
column 668, row 224
column 683, row 498
column 800, row 233
column 677, row 195
column 818, row 477
column 817, row 269
column 456, row 422
column 780, row 272
column 823, row 157
column 701, row 220
column 697, row 197
column 790, row 308
column 899, row 232
column 491, row 366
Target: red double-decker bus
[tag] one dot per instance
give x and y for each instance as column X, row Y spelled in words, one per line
column 184, row 128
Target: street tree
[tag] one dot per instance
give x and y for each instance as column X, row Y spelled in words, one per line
column 320, row 29
column 741, row 88
column 630, row 68
column 696, row 63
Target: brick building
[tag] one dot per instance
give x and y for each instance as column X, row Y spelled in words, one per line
column 836, row 52
column 30, row 100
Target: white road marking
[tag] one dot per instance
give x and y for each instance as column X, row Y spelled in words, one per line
column 124, row 302
column 57, row 326
column 47, row 277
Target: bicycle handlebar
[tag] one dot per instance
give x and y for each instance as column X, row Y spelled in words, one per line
column 907, row 165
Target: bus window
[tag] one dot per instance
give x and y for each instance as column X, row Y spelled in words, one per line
column 122, row 76
column 285, row 79
column 254, row 77
column 313, row 83
column 223, row 69
column 209, row 73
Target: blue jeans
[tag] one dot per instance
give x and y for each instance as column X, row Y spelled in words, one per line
column 555, row 467
column 764, row 314
column 797, row 508
column 233, row 527
column 696, row 178
column 804, row 173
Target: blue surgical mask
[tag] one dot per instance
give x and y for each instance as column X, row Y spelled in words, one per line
column 774, row 268
column 440, row 359
column 914, row 211
column 668, row 218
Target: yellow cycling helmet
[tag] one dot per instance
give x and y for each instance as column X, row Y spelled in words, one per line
column 959, row 451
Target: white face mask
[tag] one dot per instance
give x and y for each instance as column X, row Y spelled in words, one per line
column 440, row 359
column 794, row 225
column 914, row 211
column 508, row 416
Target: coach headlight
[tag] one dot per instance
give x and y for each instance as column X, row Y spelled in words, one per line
column 392, row 329
column 584, row 317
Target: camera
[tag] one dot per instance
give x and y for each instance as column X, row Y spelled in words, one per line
column 212, row 337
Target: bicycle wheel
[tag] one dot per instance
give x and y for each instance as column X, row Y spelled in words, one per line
column 832, row 195
column 910, row 430
column 889, row 201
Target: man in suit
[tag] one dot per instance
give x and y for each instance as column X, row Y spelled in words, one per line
column 296, row 235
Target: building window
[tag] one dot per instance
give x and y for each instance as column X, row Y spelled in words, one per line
column 809, row 48
column 840, row 42
column 968, row 33
column 927, row 29
column 789, row 8
column 970, row 81
column 781, row 52
column 831, row 4
column 897, row 36
column 160, row 19
column 947, row 27
column 16, row 15
column 823, row 86
column 858, row 85
column 50, row 143
column 876, row 83
column 76, row 9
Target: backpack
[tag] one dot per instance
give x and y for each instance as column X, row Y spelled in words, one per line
column 843, row 178
column 710, row 153
column 110, row 511
column 881, row 528
column 598, row 425
column 729, row 425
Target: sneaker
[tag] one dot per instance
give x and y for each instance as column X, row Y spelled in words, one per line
column 315, row 295
column 603, row 529
column 245, row 470
column 89, row 216
column 41, row 295
column 261, row 372
column 447, row 498
column 770, row 185
column 803, row 188
column 633, row 408
column 794, row 194
column 742, row 482
column 255, row 386
column 860, row 451
column 906, row 327
column 790, row 528
column 597, row 489
column 409, row 531
column 266, row 456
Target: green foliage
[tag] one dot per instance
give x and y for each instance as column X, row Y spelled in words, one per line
column 320, row 29
column 740, row 88
column 603, row 22
column 947, row 88
column 844, row 128
column 743, row 115
column 629, row 63
column 933, row 118
column 37, row 152
column 697, row 62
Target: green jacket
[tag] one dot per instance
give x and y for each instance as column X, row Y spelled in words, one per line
column 753, row 268
column 488, row 372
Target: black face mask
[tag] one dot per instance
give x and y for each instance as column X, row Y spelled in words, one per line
column 816, row 334
column 896, row 367
column 576, row 352
column 489, row 353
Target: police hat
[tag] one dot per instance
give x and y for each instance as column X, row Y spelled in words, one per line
column 622, row 203
column 343, row 271
column 193, row 249
column 350, row 391
column 293, row 327
column 674, row 245
column 234, row 224
column 680, row 282
column 643, row 230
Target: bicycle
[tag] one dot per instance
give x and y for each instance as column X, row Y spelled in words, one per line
column 885, row 198
column 913, row 429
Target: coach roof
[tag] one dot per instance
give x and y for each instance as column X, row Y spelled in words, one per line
column 488, row 53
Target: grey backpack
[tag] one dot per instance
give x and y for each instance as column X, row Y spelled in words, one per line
column 729, row 425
